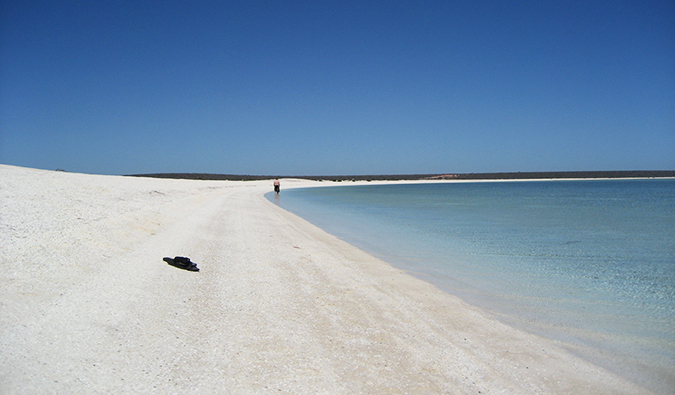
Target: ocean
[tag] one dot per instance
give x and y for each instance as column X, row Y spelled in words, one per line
column 588, row 263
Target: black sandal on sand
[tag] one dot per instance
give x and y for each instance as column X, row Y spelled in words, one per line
column 182, row 262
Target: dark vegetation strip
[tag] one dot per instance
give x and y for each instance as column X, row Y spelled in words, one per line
column 458, row 176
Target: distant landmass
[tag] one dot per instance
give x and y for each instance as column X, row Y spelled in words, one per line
column 455, row 176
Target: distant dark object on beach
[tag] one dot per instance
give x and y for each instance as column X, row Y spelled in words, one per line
column 182, row 262
column 414, row 177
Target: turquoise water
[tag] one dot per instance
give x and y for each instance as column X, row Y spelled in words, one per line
column 589, row 263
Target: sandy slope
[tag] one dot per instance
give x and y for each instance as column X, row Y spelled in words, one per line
column 88, row 306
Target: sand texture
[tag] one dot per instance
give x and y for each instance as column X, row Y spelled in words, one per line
column 87, row 306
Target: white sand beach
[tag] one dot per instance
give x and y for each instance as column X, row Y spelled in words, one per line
column 87, row 306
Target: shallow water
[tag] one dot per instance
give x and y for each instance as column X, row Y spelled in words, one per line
column 590, row 263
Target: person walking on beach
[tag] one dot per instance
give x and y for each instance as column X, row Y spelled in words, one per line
column 276, row 186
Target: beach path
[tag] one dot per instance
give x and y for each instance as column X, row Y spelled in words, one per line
column 88, row 306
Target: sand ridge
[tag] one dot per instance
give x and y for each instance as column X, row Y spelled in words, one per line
column 88, row 306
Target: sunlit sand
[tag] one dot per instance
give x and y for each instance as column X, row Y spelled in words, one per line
column 87, row 305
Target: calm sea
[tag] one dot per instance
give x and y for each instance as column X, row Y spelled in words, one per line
column 589, row 263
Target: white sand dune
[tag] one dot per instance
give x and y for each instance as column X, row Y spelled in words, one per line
column 88, row 306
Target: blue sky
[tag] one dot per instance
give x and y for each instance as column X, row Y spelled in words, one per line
column 337, row 87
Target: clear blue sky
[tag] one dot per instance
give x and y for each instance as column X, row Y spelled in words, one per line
column 337, row 87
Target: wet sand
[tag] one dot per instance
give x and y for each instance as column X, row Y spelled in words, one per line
column 88, row 306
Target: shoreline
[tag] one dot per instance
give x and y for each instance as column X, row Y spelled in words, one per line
column 279, row 304
column 325, row 183
column 640, row 367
